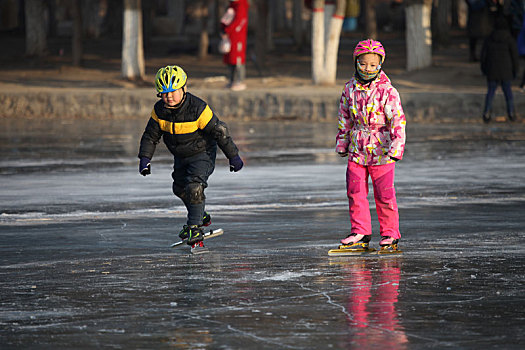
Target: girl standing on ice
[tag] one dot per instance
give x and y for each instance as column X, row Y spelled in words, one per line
column 372, row 134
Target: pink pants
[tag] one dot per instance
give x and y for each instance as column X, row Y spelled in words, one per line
column 384, row 194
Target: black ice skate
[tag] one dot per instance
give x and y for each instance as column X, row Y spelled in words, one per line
column 206, row 235
column 206, row 220
column 195, row 235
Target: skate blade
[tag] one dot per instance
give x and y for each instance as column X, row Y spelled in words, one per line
column 198, row 250
column 350, row 251
column 210, row 234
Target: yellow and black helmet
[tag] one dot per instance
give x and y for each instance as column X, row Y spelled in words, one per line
column 170, row 78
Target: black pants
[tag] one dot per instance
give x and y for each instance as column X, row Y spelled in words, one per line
column 193, row 170
column 492, row 85
column 237, row 73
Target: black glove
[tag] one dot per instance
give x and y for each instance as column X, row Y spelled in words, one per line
column 236, row 164
column 393, row 158
column 145, row 166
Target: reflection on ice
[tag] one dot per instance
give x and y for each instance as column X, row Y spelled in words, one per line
column 373, row 294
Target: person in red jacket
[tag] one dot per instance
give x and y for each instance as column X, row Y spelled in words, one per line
column 235, row 26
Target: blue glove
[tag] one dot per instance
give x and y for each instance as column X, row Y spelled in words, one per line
column 236, row 164
column 145, row 166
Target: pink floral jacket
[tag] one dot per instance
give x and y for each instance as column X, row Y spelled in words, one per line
column 371, row 122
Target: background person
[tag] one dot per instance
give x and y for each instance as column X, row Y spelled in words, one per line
column 236, row 28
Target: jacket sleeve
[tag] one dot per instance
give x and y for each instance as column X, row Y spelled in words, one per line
column 218, row 130
column 515, row 59
column 483, row 58
column 345, row 122
column 396, row 122
column 150, row 138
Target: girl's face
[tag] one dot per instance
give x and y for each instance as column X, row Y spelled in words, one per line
column 369, row 62
column 172, row 98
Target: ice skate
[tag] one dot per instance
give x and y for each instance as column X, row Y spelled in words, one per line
column 198, row 248
column 353, row 244
column 355, row 240
column 486, row 117
column 183, row 234
column 195, row 235
column 192, row 234
column 206, row 235
column 206, row 220
column 389, row 245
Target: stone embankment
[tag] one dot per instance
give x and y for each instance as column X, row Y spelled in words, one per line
column 302, row 103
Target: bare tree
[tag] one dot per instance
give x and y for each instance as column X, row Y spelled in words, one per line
column 370, row 19
column 418, row 34
column 133, row 66
column 324, row 54
column 36, row 33
column 261, row 33
column 176, row 10
column 297, row 22
column 441, row 25
column 204, row 41
column 77, row 33
column 9, row 18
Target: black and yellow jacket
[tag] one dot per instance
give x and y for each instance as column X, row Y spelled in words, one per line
column 190, row 129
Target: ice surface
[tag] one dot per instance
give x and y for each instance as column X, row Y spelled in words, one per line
column 86, row 263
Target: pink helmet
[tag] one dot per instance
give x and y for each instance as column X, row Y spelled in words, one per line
column 369, row 46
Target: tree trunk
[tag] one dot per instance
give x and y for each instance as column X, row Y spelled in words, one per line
column 324, row 54
column 204, row 41
column 261, row 33
column 149, row 9
column 454, row 14
column 459, row 14
column 133, row 66
column 317, row 40
column 36, row 38
column 332, row 46
column 9, row 14
column 441, row 27
column 370, row 19
column 271, row 13
column 297, row 23
column 176, row 11
column 418, row 35
column 278, row 8
column 77, row 33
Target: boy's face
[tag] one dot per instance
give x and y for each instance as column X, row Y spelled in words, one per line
column 172, row 98
column 369, row 62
